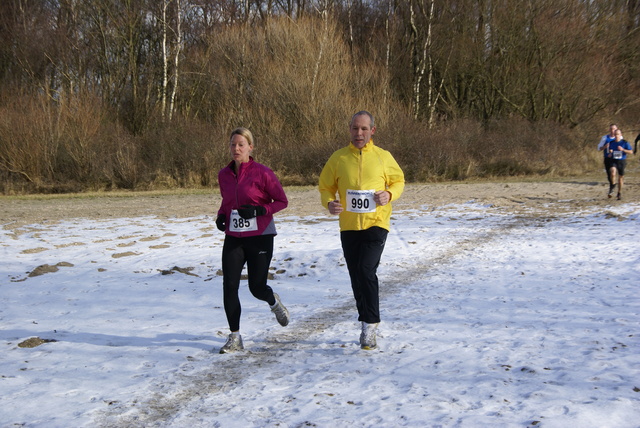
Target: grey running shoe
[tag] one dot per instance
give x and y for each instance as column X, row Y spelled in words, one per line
column 619, row 197
column 368, row 336
column 234, row 343
column 282, row 314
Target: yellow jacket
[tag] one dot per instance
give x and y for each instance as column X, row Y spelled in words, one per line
column 368, row 169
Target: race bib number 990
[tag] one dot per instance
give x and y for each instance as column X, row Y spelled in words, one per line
column 360, row 201
column 239, row 224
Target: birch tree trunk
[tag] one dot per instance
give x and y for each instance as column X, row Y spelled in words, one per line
column 165, row 60
column 176, row 58
column 418, row 60
column 323, row 42
column 421, row 24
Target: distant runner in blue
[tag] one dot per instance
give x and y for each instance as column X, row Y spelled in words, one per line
column 618, row 150
column 603, row 146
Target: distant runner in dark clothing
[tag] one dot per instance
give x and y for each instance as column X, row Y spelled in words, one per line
column 603, row 146
column 618, row 150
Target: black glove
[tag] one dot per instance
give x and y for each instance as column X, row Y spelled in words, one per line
column 221, row 222
column 251, row 211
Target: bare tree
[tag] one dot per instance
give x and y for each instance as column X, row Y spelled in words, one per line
column 165, row 59
column 422, row 17
column 176, row 58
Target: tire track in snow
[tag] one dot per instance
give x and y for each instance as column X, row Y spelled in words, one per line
column 207, row 375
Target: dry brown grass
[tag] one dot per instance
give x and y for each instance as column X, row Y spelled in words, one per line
column 293, row 84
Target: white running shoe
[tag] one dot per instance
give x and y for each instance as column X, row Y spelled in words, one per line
column 282, row 314
column 368, row 336
column 234, row 343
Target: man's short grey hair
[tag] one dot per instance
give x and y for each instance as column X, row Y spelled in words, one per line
column 363, row 113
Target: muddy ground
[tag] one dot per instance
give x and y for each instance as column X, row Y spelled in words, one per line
column 531, row 197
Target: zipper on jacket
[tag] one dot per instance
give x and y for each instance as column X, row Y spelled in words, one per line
column 360, row 170
column 361, row 216
column 237, row 174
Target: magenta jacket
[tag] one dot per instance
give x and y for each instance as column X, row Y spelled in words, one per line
column 255, row 184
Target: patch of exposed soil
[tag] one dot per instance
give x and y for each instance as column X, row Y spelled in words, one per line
column 548, row 196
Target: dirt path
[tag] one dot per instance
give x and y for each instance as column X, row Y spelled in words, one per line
column 569, row 195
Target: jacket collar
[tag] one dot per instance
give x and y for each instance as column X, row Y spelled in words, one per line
column 243, row 166
column 367, row 147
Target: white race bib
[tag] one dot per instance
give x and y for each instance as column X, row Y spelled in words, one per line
column 239, row 224
column 360, row 201
column 617, row 154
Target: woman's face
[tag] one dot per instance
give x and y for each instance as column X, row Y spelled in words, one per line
column 240, row 148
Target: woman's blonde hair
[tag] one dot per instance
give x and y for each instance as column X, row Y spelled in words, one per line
column 244, row 132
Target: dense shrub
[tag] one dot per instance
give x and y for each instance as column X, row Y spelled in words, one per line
column 295, row 83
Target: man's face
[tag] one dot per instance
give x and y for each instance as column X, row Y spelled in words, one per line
column 618, row 134
column 361, row 130
column 612, row 129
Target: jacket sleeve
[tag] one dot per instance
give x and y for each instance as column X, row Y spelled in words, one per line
column 394, row 177
column 328, row 184
column 602, row 142
column 275, row 191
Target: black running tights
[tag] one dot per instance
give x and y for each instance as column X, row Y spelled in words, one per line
column 256, row 252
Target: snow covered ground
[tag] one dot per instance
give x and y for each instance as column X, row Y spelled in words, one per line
column 489, row 319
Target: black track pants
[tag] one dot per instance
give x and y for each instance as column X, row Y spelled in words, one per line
column 256, row 252
column 362, row 251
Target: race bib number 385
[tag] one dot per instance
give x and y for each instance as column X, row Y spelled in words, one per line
column 239, row 224
column 360, row 201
